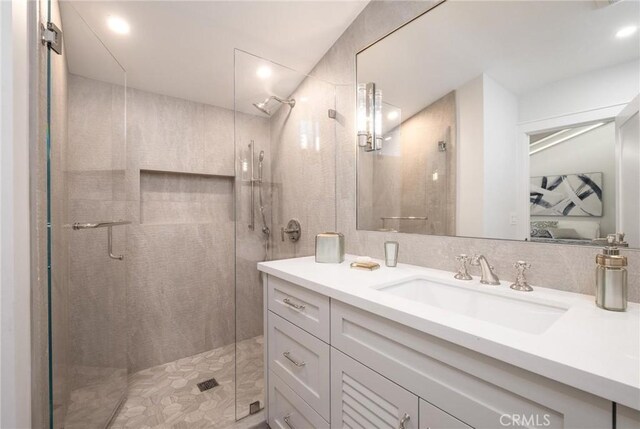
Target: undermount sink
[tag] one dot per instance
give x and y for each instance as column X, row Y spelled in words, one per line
column 511, row 312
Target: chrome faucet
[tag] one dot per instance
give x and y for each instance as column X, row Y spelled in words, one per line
column 488, row 276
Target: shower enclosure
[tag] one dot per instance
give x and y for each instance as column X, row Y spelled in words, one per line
column 85, row 208
column 282, row 127
column 153, row 212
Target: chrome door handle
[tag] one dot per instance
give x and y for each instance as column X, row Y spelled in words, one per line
column 404, row 420
column 110, row 246
column 104, row 224
column 100, row 224
column 293, row 304
column 287, row 419
column 292, row 360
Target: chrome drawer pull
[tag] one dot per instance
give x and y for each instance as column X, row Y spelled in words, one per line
column 404, row 420
column 295, row 362
column 286, row 420
column 293, row 304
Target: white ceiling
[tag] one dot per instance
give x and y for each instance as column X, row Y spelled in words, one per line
column 523, row 45
column 185, row 49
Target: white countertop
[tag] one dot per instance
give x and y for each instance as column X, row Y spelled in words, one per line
column 588, row 348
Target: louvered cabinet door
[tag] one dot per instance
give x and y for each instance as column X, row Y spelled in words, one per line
column 363, row 399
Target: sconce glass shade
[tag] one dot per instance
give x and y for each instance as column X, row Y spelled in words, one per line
column 369, row 116
column 377, row 120
column 361, row 113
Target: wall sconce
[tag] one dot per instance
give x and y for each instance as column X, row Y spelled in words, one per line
column 369, row 116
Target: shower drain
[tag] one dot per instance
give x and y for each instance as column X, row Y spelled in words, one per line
column 207, row 384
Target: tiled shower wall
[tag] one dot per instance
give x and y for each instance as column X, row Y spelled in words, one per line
column 178, row 186
column 303, row 168
column 398, row 181
column 557, row 266
column 250, row 245
column 422, row 194
column 181, row 265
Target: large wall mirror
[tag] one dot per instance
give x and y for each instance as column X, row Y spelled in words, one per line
column 523, row 127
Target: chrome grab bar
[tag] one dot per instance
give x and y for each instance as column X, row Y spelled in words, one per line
column 386, row 218
column 104, row 224
column 287, row 419
column 293, row 304
column 292, row 360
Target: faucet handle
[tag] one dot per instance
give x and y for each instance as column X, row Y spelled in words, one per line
column 521, row 281
column 462, row 257
column 475, row 260
column 462, row 273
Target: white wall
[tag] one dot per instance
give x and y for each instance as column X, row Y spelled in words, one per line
column 500, row 168
column 15, row 380
column 487, row 191
column 470, row 165
column 600, row 88
column 588, row 153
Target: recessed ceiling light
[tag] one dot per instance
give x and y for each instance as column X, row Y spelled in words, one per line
column 626, row 31
column 118, row 25
column 263, row 72
column 393, row 115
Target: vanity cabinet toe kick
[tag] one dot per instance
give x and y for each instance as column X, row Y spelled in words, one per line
column 329, row 364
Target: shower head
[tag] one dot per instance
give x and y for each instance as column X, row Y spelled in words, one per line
column 263, row 105
column 261, row 156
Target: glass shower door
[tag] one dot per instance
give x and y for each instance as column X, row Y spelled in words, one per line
column 285, row 169
column 86, row 211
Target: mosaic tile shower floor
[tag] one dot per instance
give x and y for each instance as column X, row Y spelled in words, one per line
column 167, row 396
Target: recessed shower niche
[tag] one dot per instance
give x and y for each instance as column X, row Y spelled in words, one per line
column 177, row 198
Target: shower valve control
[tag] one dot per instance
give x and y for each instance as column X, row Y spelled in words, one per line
column 293, row 230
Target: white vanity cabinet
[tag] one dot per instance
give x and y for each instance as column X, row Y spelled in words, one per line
column 432, row 417
column 362, row 398
column 478, row 390
column 300, row 360
column 332, row 364
column 302, row 307
column 288, row 411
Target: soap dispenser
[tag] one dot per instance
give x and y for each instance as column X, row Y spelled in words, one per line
column 611, row 278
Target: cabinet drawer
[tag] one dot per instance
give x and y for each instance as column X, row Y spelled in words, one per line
column 473, row 387
column 432, row 417
column 302, row 307
column 288, row 411
column 300, row 360
column 361, row 398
